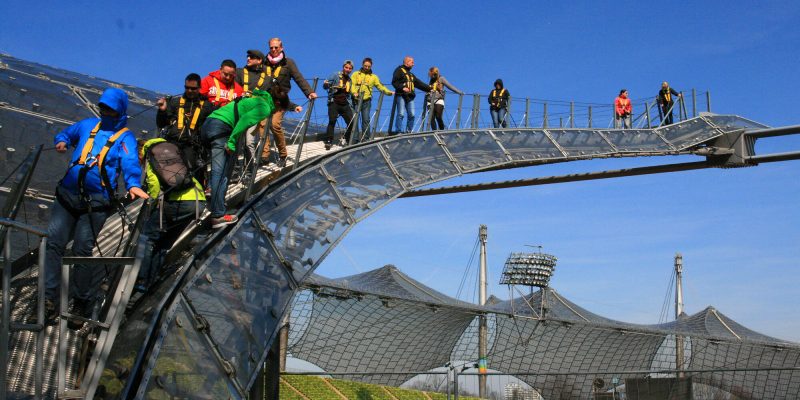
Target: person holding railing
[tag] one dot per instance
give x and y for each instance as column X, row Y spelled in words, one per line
column 622, row 110
column 363, row 83
column 281, row 70
column 179, row 120
column 666, row 102
column 405, row 83
column 498, row 104
column 436, row 97
column 339, row 86
column 104, row 148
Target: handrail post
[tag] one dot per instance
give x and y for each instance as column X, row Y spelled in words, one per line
column 527, row 111
column 354, row 123
column 40, row 319
column 544, row 122
column 427, row 110
column 590, row 116
column 683, row 108
column 647, row 110
column 694, row 103
column 458, row 111
column 4, row 334
column 475, row 108
column 508, row 113
column 708, row 100
column 571, row 114
column 307, row 120
column 370, row 130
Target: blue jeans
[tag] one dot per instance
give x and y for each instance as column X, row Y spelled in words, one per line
column 71, row 219
column 364, row 114
column 404, row 106
column 499, row 117
column 162, row 230
column 215, row 133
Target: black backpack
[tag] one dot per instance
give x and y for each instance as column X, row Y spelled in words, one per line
column 168, row 164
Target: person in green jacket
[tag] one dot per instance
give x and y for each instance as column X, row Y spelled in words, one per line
column 175, row 210
column 364, row 81
column 221, row 133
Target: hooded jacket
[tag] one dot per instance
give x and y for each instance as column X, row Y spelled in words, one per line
column 250, row 110
column 122, row 156
column 227, row 92
column 498, row 98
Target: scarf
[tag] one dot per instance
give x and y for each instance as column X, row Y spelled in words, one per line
column 275, row 60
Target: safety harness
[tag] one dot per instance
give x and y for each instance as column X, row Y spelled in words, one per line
column 274, row 74
column 260, row 79
column 182, row 115
column 498, row 98
column 409, row 79
column 87, row 161
column 667, row 95
column 230, row 96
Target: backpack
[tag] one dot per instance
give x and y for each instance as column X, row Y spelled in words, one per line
column 166, row 160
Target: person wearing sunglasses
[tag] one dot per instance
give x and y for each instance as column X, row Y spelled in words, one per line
column 179, row 119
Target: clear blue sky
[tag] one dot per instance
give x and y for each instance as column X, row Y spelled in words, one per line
column 739, row 230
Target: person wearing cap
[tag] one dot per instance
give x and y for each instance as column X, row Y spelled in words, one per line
column 364, row 82
column 221, row 133
column 220, row 87
column 339, row 88
column 622, row 110
column 281, row 70
column 103, row 150
column 665, row 101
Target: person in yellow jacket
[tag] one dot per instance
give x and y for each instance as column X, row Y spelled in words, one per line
column 174, row 211
column 364, row 81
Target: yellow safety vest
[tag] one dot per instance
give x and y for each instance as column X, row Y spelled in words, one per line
column 667, row 96
column 247, row 79
column 498, row 98
column 182, row 115
column 342, row 84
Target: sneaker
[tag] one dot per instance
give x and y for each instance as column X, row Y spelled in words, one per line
column 50, row 312
column 282, row 161
column 328, row 145
column 226, row 219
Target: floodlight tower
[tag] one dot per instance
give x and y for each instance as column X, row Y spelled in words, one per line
column 529, row 269
column 483, row 331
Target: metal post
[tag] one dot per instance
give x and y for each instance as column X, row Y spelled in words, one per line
column 590, row 116
column 283, row 336
column 560, row 122
column 40, row 319
column 447, row 379
column 391, row 131
column 458, row 111
column 683, row 107
column 475, row 105
column 307, row 120
column 571, row 114
column 694, row 103
column 353, row 123
column 507, row 116
column 4, row 334
column 426, row 113
column 373, row 131
column 647, row 110
column 482, row 328
column 62, row 331
column 544, row 122
column 455, row 383
column 678, row 312
column 708, row 100
column 527, row 111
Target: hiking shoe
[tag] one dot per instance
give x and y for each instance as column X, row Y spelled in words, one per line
column 328, row 146
column 50, row 312
column 282, row 161
column 80, row 308
column 226, row 219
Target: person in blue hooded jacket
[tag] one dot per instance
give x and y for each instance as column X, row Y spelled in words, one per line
column 104, row 148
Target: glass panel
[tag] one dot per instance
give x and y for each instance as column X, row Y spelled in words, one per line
column 38, row 95
column 242, row 292
column 419, row 160
column 580, row 142
column 636, row 140
column 731, row 122
column 474, row 150
column 141, row 117
column 18, row 132
column 306, row 218
column 185, row 367
column 688, row 133
column 363, row 179
column 528, row 145
column 56, row 74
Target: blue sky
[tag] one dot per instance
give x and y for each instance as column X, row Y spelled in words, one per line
column 737, row 229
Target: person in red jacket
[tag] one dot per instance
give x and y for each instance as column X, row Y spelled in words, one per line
column 622, row 110
column 219, row 87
